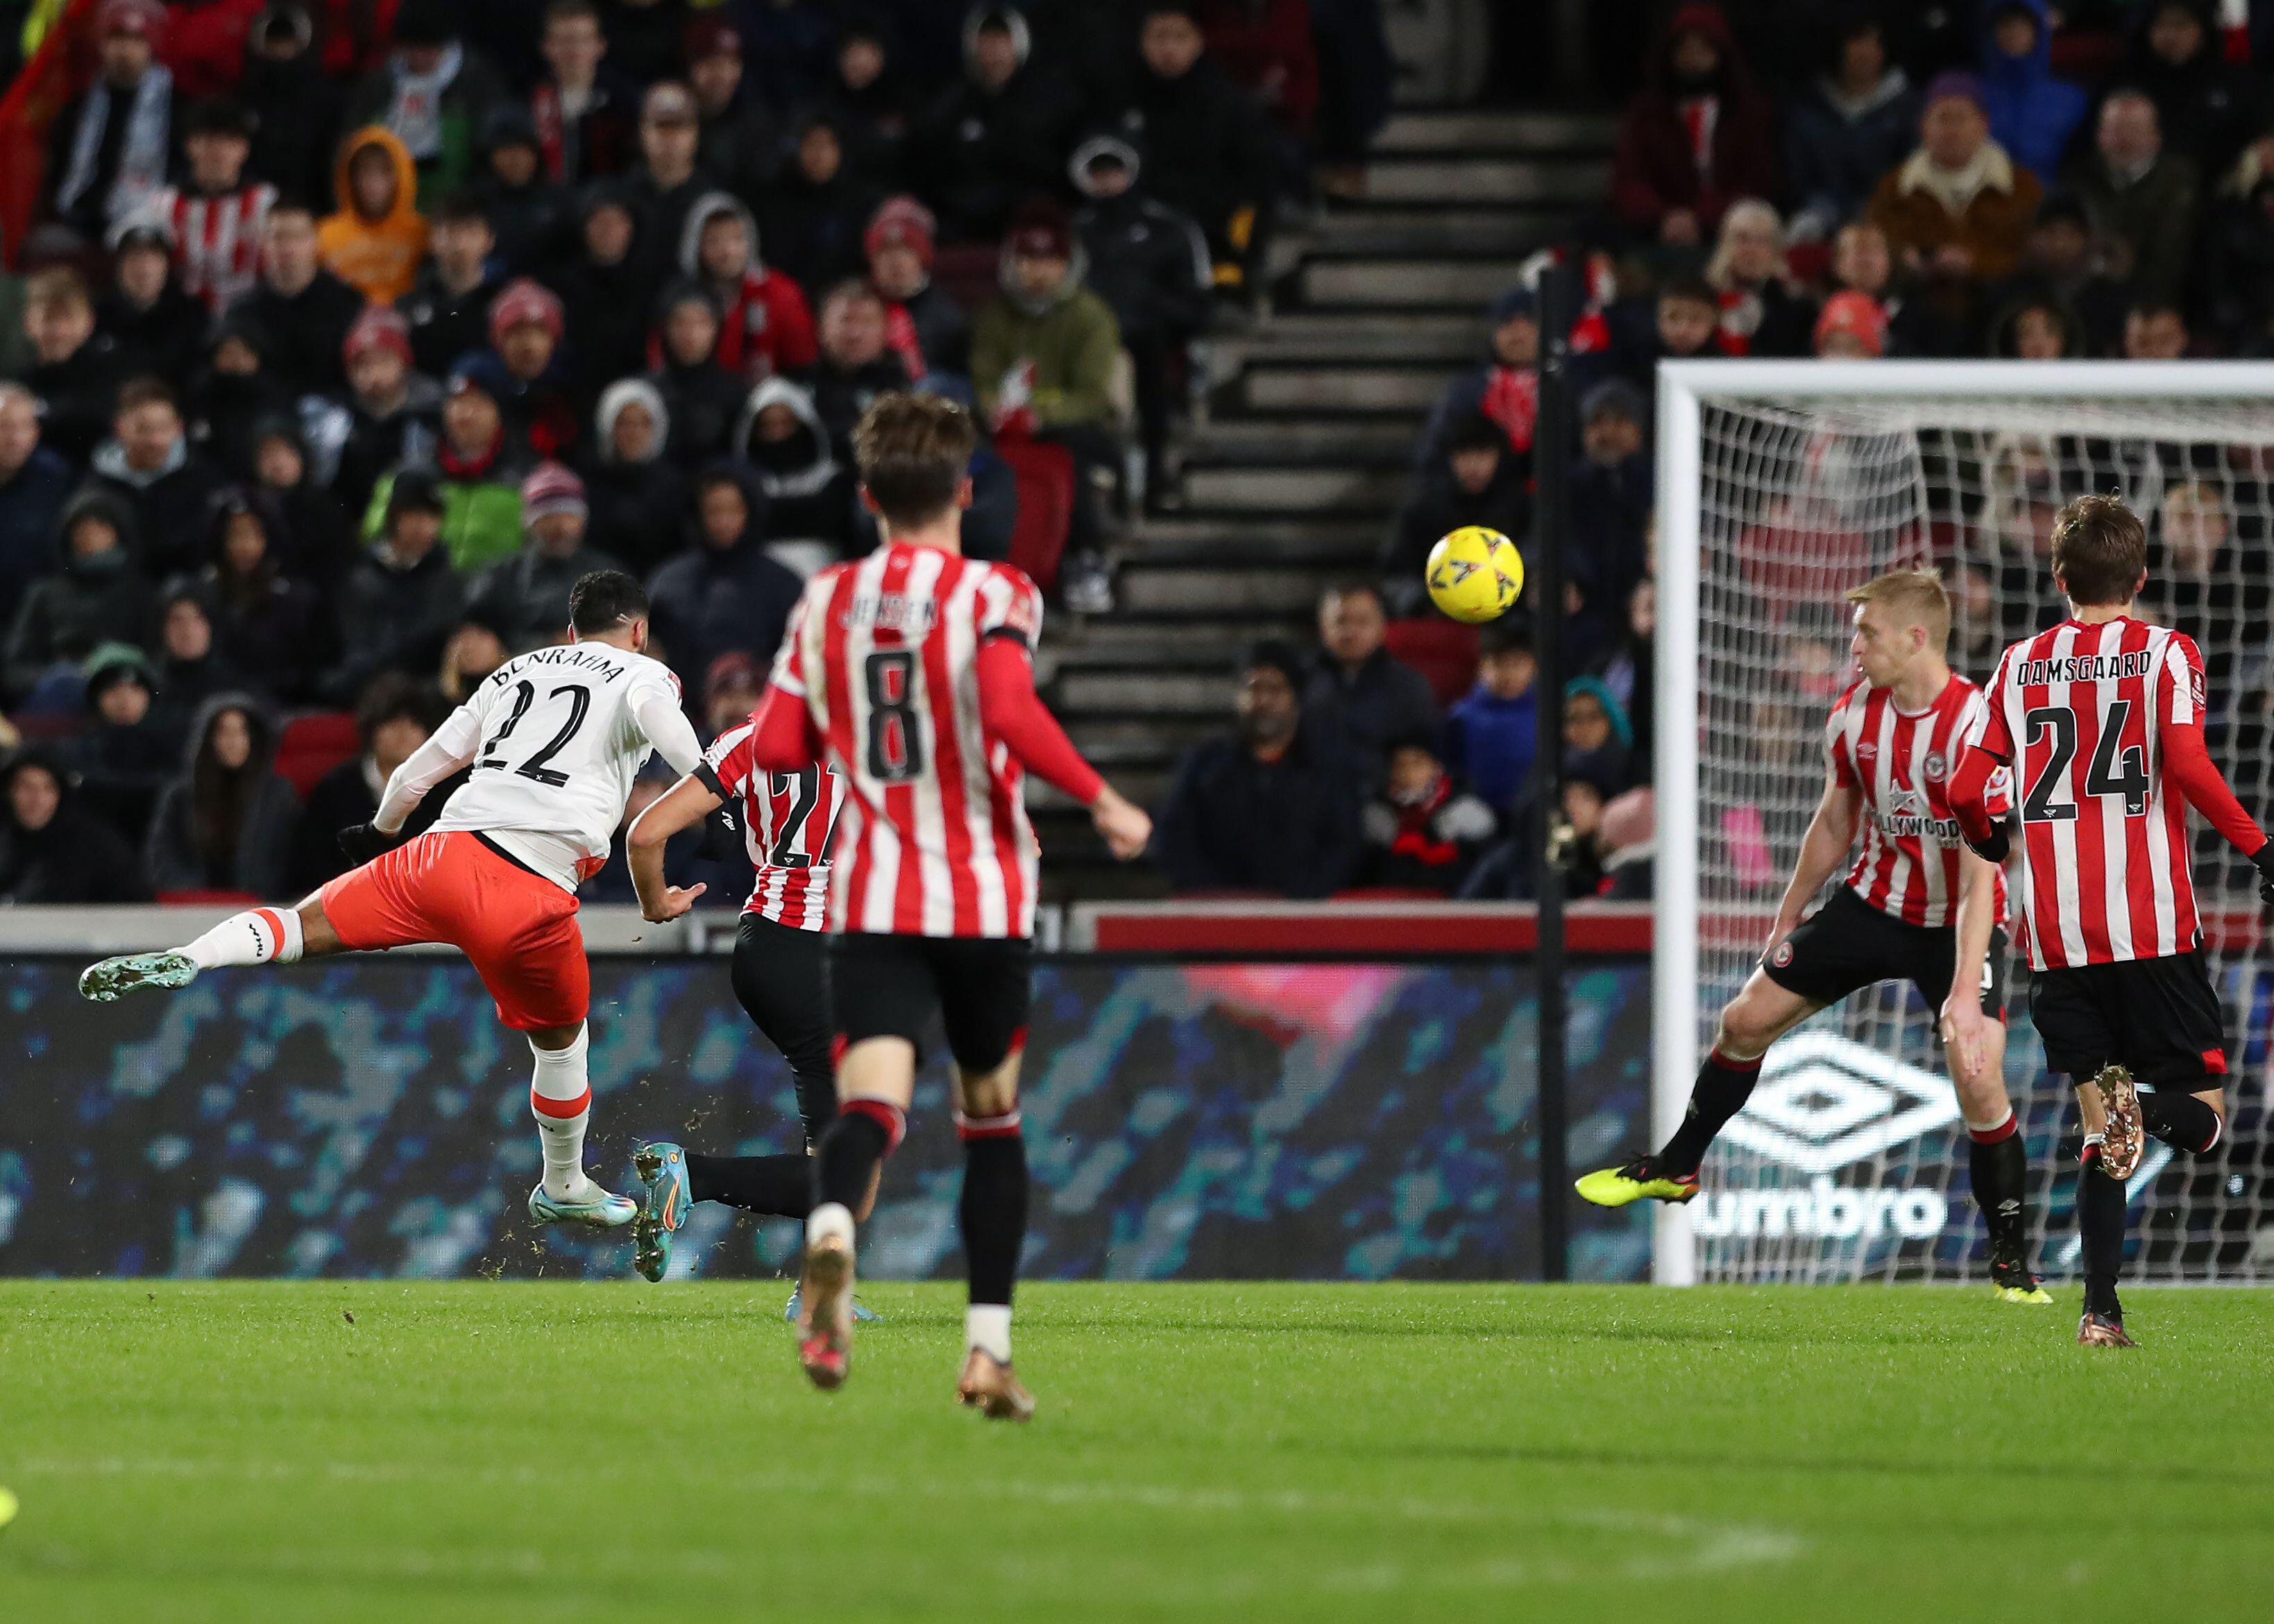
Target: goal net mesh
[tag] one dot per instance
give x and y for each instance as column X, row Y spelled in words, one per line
column 1850, row 1161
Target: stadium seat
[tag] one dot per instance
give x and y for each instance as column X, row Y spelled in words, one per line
column 314, row 745
column 1444, row 652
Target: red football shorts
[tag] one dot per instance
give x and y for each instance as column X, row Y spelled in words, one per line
column 517, row 929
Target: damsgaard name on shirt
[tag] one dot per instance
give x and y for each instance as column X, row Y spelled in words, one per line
column 2085, row 668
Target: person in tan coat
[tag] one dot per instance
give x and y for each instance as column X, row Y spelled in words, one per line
column 1956, row 212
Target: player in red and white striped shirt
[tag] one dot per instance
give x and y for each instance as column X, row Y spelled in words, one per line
column 1917, row 906
column 2101, row 720
column 909, row 672
column 217, row 219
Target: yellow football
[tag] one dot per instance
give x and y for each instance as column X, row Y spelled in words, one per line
column 1474, row 575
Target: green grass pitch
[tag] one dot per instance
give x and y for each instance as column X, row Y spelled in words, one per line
column 496, row 1452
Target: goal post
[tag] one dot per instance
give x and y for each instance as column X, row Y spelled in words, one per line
column 1779, row 484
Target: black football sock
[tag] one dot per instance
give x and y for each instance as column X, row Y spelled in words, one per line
column 993, row 1209
column 2180, row 1120
column 863, row 1136
column 2100, row 1220
column 1723, row 1086
column 2000, row 1167
column 779, row 1185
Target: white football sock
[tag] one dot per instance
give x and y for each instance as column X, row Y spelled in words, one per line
column 258, row 936
column 828, row 1219
column 561, row 1098
column 987, row 1326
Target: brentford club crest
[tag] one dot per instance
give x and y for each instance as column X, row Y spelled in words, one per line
column 1935, row 765
column 1782, row 956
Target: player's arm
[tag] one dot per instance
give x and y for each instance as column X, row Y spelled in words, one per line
column 785, row 739
column 1981, row 821
column 682, row 805
column 665, row 725
column 2189, row 765
column 1011, row 711
column 447, row 748
column 1963, row 1020
column 1823, row 849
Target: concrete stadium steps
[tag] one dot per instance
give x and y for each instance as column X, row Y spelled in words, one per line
column 1276, row 490
column 1540, row 183
column 1312, row 336
column 1211, row 542
column 1381, row 282
column 1514, row 229
column 1473, row 129
column 1401, row 390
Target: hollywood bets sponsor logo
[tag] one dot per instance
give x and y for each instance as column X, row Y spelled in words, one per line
column 1825, row 1103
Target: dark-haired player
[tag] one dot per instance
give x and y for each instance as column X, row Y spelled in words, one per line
column 1916, row 908
column 909, row 673
column 2100, row 719
column 550, row 743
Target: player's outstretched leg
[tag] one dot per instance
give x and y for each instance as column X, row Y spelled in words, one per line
column 993, row 1214
column 561, row 1098
column 2123, row 1132
column 258, row 936
column 844, row 1167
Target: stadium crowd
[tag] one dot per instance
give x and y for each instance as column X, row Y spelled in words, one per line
column 347, row 334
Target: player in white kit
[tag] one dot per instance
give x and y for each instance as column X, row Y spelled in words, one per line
column 552, row 740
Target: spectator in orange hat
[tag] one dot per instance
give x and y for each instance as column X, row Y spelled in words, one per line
column 927, row 328
column 376, row 238
column 1851, row 327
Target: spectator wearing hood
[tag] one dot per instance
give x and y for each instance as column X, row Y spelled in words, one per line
column 152, row 326
column 637, row 496
column 226, row 822
column 1422, row 830
column 110, row 149
column 866, row 94
column 530, row 217
column 1477, row 480
column 1598, row 738
column 765, row 326
column 2209, row 106
column 263, row 619
column 1505, row 388
column 315, row 540
column 527, row 595
column 607, row 288
column 74, row 370
column 813, row 217
column 480, row 464
column 448, row 305
column 213, row 220
column 700, row 397
column 1269, row 807
column 924, row 325
column 1612, row 489
column 295, row 108
column 738, row 130
column 234, row 387
column 189, row 672
column 304, row 310
column 584, row 109
column 1957, row 211
column 401, row 601
column 1206, row 152
column 996, row 137
column 2140, row 199
column 375, row 239
column 856, row 364
column 1359, row 694
column 722, row 594
column 394, row 716
column 52, row 849
column 1698, row 137
column 1150, row 265
column 1851, row 124
column 148, row 463
column 2032, row 114
column 125, row 754
column 809, row 492
column 35, row 484
column 395, row 414
column 98, row 594
column 526, row 324
column 670, row 177
column 432, row 94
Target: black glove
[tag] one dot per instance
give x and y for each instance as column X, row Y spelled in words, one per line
column 1996, row 847
column 722, row 834
column 360, row 843
column 2263, row 861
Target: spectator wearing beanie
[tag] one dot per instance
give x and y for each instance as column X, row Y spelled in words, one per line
column 1956, row 211
column 738, row 130
column 1477, row 480
column 152, row 326
column 997, row 136
column 375, row 239
column 148, row 463
column 1851, row 327
column 124, row 755
column 432, row 94
column 2032, row 114
column 1044, row 350
column 395, row 414
column 402, row 600
column 1207, row 155
column 608, row 288
column 1150, row 265
column 1698, row 137
column 765, row 326
column 722, row 594
column 924, row 325
column 637, row 496
column 448, row 305
column 214, row 220
column 527, row 595
column 532, row 218
column 304, row 310
column 700, row 397
column 1269, row 806
column 810, row 493
column 97, row 594
column 109, row 151
column 1505, row 388
column 1853, row 123
column 526, row 324
column 480, row 466
column 34, row 483
column 54, row 850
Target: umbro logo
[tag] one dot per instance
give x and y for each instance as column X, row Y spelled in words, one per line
column 1824, row 1102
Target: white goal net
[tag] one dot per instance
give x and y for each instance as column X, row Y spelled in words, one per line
column 1781, row 486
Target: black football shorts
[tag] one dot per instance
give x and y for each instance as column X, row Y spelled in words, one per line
column 1848, row 944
